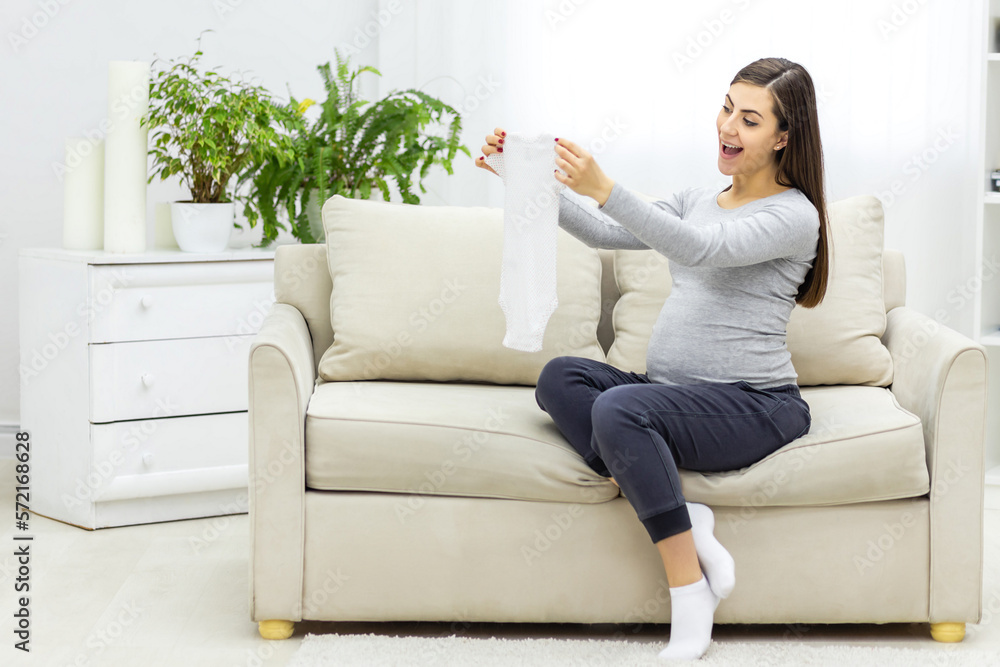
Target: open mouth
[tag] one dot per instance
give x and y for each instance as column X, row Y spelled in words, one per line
column 731, row 150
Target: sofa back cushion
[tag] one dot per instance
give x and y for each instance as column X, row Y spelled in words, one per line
column 838, row 342
column 415, row 289
column 643, row 279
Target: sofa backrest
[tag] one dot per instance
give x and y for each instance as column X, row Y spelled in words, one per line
column 302, row 279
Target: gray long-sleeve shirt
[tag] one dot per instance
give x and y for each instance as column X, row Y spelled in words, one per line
column 735, row 274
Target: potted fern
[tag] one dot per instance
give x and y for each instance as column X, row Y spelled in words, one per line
column 212, row 130
column 351, row 149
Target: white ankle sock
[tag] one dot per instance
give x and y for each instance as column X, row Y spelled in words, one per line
column 692, row 610
column 715, row 560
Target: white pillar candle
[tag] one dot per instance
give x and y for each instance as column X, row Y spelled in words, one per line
column 83, row 190
column 125, row 157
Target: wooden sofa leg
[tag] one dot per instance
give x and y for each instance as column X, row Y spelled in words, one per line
column 274, row 629
column 948, row 632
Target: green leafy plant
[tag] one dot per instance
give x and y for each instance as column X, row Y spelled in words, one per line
column 211, row 129
column 351, row 149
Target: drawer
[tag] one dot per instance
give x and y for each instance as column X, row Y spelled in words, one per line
column 129, row 302
column 159, row 457
column 168, row 378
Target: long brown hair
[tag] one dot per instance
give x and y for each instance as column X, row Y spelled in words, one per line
column 800, row 161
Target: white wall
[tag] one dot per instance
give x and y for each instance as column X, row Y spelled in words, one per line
column 55, row 86
column 892, row 76
column 898, row 86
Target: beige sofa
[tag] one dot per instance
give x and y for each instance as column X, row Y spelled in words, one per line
column 400, row 468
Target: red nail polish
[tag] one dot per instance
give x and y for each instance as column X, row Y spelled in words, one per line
column 557, row 138
column 503, row 134
column 482, row 157
column 500, row 149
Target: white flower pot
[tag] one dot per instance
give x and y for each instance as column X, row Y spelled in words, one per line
column 202, row 227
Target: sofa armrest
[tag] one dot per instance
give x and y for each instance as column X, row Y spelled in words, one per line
column 282, row 376
column 940, row 375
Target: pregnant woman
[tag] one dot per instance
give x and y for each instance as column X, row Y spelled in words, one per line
column 719, row 392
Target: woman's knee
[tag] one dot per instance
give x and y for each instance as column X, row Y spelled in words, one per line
column 615, row 417
column 556, row 367
column 611, row 410
column 553, row 377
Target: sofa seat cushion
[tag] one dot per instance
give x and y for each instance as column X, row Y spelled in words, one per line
column 448, row 438
column 862, row 446
column 494, row 441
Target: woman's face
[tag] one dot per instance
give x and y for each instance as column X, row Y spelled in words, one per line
column 746, row 119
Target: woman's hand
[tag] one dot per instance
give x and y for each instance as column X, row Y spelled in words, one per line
column 494, row 144
column 582, row 176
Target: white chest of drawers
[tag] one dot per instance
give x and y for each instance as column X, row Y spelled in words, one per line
column 134, row 381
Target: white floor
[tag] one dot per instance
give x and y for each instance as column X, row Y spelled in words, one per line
column 176, row 593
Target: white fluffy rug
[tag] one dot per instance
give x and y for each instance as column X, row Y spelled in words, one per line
column 372, row 649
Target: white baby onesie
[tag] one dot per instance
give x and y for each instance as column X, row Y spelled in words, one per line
column 530, row 228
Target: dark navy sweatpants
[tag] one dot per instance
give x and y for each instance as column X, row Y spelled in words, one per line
column 639, row 431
